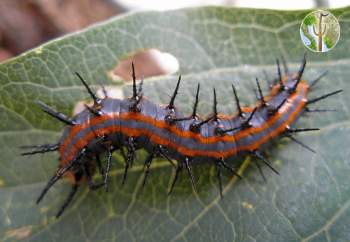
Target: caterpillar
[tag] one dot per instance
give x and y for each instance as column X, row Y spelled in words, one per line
column 136, row 123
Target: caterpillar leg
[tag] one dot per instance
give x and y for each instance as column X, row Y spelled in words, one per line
column 104, row 172
column 105, row 181
column 59, row 173
column 257, row 154
column 156, row 152
column 219, row 164
column 162, row 153
column 57, row 176
column 177, row 172
column 147, row 165
column 130, row 156
column 90, row 182
column 260, row 171
column 187, row 164
column 68, row 200
column 99, row 165
column 180, row 165
column 218, row 175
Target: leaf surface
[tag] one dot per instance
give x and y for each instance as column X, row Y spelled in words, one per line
column 215, row 46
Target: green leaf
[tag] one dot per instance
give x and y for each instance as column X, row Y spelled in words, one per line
column 215, row 46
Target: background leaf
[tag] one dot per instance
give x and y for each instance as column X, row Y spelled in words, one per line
column 215, row 46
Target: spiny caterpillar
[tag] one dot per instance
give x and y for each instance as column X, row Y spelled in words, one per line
column 163, row 131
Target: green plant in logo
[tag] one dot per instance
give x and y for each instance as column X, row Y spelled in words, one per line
column 320, row 31
column 310, row 20
column 328, row 42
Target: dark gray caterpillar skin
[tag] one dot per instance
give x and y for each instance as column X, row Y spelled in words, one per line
column 137, row 123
